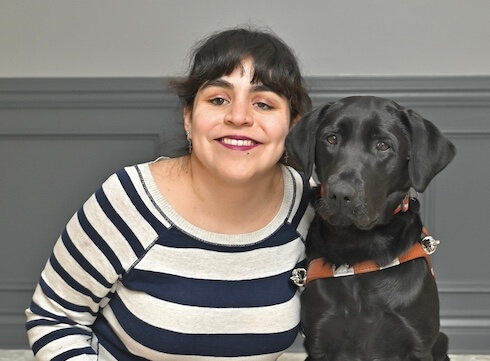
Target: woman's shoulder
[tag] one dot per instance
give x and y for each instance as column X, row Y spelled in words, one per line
column 141, row 172
column 165, row 165
column 300, row 179
column 128, row 179
column 304, row 190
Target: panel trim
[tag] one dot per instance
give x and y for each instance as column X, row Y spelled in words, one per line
column 428, row 207
column 449, row 287
column 447, row 91
column 62, row 93
column 450, row 91
column 21, row 286
column 460, row 287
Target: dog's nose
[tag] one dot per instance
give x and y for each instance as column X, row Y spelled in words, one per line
column 342, row 192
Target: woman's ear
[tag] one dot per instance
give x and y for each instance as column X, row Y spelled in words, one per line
column 187, row 113
column 301, row 139
column 294, row 121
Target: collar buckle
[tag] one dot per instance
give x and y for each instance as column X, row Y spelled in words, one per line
column 429, row 244
column 299, row 277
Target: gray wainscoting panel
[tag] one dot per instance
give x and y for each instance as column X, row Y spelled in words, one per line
column 61, row 138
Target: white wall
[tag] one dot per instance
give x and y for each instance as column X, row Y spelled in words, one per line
column 124, row 38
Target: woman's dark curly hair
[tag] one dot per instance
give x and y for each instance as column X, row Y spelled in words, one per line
column 275, row 66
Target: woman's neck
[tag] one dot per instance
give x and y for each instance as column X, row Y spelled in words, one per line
column 234, row 206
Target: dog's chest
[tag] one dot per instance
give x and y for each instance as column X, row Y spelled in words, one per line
column 373, row 292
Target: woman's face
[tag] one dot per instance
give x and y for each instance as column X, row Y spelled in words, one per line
column 237, row 128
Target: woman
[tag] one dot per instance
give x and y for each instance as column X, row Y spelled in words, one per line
column 190, row 257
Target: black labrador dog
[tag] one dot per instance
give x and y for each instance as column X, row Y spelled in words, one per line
column 368, row 152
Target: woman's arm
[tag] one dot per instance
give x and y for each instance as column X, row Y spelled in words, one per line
column 76, row 282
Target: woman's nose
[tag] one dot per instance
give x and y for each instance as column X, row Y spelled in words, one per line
column 239, row 113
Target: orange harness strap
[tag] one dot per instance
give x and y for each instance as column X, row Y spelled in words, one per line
column 319, row 268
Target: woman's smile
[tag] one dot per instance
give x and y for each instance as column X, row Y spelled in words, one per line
column 238, row 142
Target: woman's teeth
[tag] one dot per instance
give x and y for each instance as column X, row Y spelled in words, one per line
column 238, row 142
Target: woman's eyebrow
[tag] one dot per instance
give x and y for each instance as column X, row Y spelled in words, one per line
column 261, row 88
column 219, row 83
column 258, row 87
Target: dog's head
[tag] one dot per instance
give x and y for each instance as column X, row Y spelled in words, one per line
column 367, row 152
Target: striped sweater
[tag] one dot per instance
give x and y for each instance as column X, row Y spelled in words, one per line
column 129, row 279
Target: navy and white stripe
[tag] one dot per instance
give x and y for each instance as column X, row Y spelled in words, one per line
column 130, row 279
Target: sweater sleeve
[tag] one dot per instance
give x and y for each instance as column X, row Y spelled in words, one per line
column 79, row 278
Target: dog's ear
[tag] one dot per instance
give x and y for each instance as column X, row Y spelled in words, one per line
column 301, row 140
column 430, row 151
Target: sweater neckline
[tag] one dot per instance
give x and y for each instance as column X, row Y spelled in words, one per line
column 242, row 239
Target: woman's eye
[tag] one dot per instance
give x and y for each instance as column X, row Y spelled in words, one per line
column 218, row 101
column 382, row 146
column 263, row 106
column 332, row 139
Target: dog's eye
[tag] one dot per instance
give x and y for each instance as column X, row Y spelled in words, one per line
column 332, row 139
column 382, row 146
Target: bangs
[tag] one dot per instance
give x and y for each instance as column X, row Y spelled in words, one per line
column 267, row 68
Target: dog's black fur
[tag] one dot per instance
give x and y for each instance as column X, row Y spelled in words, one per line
column 367, row 153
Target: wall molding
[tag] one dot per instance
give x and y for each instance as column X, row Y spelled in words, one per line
column 447, row 91
column 63, row 93
column 428, row 207
column 464, row 287
column 450, row 287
